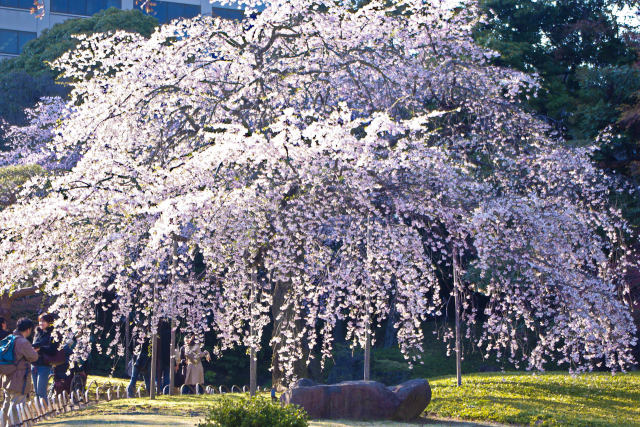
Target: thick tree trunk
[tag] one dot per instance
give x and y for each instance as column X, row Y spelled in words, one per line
column 300, row 368
column 367, row 357
column 278, row 299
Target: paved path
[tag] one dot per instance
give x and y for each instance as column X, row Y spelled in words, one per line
column 140, row 420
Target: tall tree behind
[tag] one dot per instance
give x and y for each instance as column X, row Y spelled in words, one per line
column 27, row 78
column 580, row 50
column 589, row 68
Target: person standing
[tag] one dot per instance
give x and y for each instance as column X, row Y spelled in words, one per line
column 139, row 365
column 18, row 384
column 193, row 354
column 4, row 331
column 42, row 341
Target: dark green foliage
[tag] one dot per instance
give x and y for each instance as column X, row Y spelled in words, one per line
column 579, row 49
column 389, row 366
column 27, row 78
column 253, row 412
column 55, row 41
column 588, row 67
column 12, row 178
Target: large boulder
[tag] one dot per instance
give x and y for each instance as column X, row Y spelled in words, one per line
column 414, row 396
column 360, row 400
column 355, row 400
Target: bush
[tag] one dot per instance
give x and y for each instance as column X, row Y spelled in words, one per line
column 253, row 412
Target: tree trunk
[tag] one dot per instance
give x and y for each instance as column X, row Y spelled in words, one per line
column 300, row 368
column 253, row 365
column 127, row 343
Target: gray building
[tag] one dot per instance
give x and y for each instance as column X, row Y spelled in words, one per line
column 18, row 25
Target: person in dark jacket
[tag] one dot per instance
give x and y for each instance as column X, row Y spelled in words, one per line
column 42, row 341
column 4, row 331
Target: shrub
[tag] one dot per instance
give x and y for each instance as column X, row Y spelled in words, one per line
column 253, row 412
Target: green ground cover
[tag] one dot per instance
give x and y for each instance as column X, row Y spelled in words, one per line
column 595, row 399
column 556, row 398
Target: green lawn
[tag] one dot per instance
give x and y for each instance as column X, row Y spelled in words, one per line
column 596, row 399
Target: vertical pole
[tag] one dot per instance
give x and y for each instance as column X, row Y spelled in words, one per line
column 253, row 368
column 367, row 324
column 172, row 344
column 253, row 371
column 154, row 350
column 456, row 294
column 152, row 374
column 367, row 355
column 172, row 358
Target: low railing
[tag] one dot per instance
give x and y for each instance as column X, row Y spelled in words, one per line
column 37, row 409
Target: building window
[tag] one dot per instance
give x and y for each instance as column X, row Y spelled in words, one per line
column 82, row 7
column 12, row 42
column 166, row 11
column 228, row 13
column 20, row 4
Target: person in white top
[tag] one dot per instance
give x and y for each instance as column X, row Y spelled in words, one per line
column 193, row 354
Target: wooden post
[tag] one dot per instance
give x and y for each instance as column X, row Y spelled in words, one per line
column 456, row 296
column 253, row 368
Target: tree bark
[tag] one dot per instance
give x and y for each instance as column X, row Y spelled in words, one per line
column 300, row 368
column 367, row 356
column 253, row 365
column 127, row 342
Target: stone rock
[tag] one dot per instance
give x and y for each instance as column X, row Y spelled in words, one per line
column 355, row 400
column 303, row 382
column 414, row 397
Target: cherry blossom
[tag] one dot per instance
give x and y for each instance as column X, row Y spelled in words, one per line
column 328, row 162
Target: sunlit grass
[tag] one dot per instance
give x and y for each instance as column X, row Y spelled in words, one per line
column 596, row 399
column 556, row 398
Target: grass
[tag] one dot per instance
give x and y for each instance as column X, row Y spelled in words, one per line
column 556, row 398
column 108, row 380
column 595, row 399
